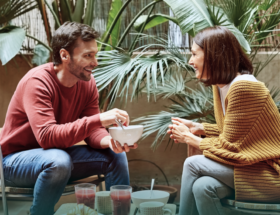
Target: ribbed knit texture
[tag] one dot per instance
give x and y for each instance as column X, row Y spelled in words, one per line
column 248, row 134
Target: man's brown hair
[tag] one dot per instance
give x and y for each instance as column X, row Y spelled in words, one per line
column 66, row 35
column 223, row 55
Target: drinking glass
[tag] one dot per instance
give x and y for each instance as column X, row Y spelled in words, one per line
column 121, row 199
column 85, row 194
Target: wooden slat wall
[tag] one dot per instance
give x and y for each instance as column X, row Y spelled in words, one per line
column 33, row 24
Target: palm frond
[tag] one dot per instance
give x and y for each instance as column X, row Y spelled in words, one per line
column 10, row 9
column 238, row 11
column 123, row 71
column 189, row 106
column 219, row 17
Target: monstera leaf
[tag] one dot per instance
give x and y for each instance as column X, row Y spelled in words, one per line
column 11, row 39
column 41, row 55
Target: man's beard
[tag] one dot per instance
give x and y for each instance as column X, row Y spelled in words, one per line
column 76, row 70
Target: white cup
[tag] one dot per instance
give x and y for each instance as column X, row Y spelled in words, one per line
column 103, row 202
column 153, row 208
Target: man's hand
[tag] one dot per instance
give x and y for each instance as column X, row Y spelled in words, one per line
column 108, row 118
column 195, row 128
column 116, row 147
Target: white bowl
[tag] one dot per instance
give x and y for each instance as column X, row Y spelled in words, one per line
column 130, row 135
column 145, row 196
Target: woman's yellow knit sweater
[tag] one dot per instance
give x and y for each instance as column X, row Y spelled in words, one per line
column 247, row 137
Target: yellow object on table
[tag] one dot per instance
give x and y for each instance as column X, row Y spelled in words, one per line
column 65, row 208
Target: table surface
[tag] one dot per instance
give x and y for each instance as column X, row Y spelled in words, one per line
column 63, row 209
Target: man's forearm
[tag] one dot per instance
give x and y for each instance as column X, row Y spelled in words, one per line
column 104, row 143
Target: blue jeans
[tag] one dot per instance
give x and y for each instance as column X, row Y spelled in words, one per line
column 48, row 171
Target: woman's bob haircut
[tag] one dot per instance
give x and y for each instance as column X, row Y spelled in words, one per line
column 223, row 55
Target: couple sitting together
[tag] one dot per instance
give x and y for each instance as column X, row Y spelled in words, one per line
column 56, row 106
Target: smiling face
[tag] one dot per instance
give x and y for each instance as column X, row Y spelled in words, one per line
column 197, row 61
column 83, row 59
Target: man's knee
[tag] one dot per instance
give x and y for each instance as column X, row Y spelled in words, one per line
column 59, row 165
column 120, row 158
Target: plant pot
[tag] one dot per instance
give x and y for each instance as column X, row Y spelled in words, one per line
column 171, row 190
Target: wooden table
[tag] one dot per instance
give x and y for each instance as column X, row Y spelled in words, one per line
column 67, row 207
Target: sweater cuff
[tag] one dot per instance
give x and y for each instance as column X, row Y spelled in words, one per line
column 210, row 129
column 94, row 121
column 205, row 144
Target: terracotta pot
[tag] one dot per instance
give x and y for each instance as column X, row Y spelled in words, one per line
column 171, row 190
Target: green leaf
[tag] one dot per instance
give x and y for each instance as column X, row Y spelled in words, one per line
column 78, row 13
column 65, row 10
column 41, row 55
column 220, row 18
column 89, row 12
column 192, row 15
column 11, row 39
column 124, row 72
column 10, row 9
column 153, row 21
column 196, row 106
column 238, row 11
column 55, row 9
column 114, row 36
column 266, row 4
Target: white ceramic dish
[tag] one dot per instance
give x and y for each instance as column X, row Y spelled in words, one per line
column 145, row 196
column 129, row 135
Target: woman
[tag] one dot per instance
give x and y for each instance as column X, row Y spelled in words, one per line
column 241, row 152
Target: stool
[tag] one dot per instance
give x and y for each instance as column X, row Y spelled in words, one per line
column 255, row 208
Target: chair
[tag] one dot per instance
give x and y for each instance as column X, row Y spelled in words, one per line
column 26, row 194
column 255, row 208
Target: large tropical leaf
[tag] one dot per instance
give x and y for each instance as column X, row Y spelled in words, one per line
column 192, row 15
column 154, row 20
column 10, row 9
column 114, row 36
column 89, row 12
column 220, row 18
column 196, row 15
column 41, row 55
column 238, row 11
column 11, row 39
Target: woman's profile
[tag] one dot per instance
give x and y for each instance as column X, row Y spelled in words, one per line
column 241, row 151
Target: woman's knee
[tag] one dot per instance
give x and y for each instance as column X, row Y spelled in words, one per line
column 205, row 187
column 190, row 163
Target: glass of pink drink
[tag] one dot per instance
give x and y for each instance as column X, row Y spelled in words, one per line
column 121, row 199
column 85, row 194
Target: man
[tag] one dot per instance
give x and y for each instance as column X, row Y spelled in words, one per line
column 55, row 106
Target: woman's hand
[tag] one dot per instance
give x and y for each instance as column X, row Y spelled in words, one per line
column 181, row 134
column 195, row 128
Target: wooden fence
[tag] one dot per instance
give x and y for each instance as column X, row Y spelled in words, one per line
column 33, row 24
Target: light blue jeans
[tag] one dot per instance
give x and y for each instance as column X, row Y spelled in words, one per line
column 204, row 183
column 48, row 171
